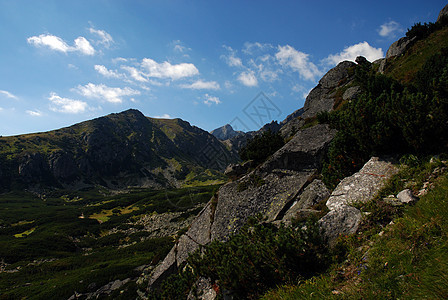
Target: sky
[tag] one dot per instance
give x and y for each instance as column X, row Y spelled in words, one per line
column 210, row 63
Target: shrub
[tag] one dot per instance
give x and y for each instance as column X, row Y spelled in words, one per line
column 261, row 146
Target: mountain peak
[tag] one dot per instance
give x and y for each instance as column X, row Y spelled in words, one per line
column 225, row 132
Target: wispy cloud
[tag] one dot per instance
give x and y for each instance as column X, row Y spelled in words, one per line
column 390, row 29
column 107, row 73
column 66, row 105
column 297, row 61
column 105, row 38
column 103, row 92
column 8, row 94
column 81, row 44
column 135, row 74
column 164, row 116
column 34, row 113
column 351, row 52
column 231, row 59
column 209, row 100
column 202, row 85
column 168, row 70
column 248, row 78
column 178, row 46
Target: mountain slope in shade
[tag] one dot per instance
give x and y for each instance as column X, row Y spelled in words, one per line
column 118, row 150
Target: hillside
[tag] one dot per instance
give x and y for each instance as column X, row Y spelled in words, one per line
column 370, row 141
column 116, row 151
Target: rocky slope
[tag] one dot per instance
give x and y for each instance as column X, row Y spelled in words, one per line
column 286, row 184
column 118, row 150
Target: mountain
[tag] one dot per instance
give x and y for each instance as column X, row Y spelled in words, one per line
column 118, row 150
column 225, row 132
column 328, row 170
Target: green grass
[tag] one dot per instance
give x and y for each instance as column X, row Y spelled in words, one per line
column 404, row 260
column 50, row 252
column 405, row 67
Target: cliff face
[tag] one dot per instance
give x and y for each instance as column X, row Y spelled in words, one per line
column 118, row 150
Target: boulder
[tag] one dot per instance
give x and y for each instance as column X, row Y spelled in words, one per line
column 233, row 171
column 322, row 98
column 406, row 196
column 399, row 47
column 363, row 185
column 304, row 151
column 343, row 221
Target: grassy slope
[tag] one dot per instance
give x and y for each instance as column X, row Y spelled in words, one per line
column 81, row 251
column 406, row 260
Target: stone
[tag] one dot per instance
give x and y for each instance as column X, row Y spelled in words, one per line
column 233, row 171
column 351, row 93
column 399, row 47
column 362, row 61
column 342, row 221
column 363, row 185
column 202, row 290
column 304, row 151
column 406, row 196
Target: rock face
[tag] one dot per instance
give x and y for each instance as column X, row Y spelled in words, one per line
column 399, row 47
column 225, row 132
column 321, row 98
column 362, row 186
column 271, row 189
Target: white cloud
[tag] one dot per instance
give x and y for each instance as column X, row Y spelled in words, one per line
column 135, row 74
column 250, row 48
column 164, row 116
column 119, row 59
column 57, row 44
column 298, row 61
column 209, row 100
column 8, row 94
column 34, row 113
column 82, row 45
column 248, row 78
column 167, row 70
column 66, row 105
column 231, row 59
column 103, row 92
column 390, row 29
column 351, row 52
column 105, row 38
column 202, row 85
column 107, row 73
column 179, row 47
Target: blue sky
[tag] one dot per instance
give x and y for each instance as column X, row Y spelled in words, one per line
column 63, row 62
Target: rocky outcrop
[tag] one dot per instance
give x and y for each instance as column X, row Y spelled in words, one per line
column 321, row 98
column 362, row 186
column 234, row 171
column 63, row 166
column 271, row 190
column 304, row 151
column 399, row 47
column 225, row 132
column 33, row 168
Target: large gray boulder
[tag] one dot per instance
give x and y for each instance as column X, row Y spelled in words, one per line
column 304, row 151
column 343, row 221
column 399, row 47
column 322, row 97
column 362, row 186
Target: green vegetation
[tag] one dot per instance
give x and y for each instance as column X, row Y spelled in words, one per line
column 406, row 259
column 49, row 247
column 260, row 147
column 259, row 257
column 389, row 118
